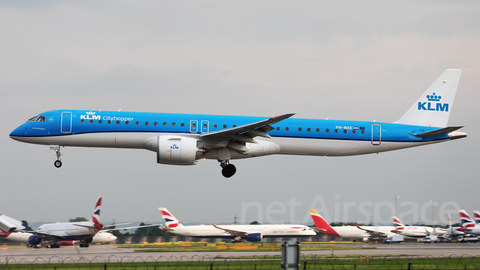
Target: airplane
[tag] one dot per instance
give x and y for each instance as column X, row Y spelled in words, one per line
column 183, row 139
column 362, row 232
column 52, row 234
column 415, row 231
column 252, row 233
column 22, row 237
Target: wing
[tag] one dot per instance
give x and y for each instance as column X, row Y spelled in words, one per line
column 232, row 232
column 128, row 228
column 45, row 235
column 236, row 137
column 372, row 232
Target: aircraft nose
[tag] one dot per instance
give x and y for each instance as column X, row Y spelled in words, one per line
column 18, row 132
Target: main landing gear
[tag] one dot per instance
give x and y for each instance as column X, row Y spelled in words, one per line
column 58, row 162
column 228, row 169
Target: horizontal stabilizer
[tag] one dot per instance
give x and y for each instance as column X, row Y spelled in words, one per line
column 437, row 132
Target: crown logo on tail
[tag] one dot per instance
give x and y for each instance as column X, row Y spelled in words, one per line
column 433, row 97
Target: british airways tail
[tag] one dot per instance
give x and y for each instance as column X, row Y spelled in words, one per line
column 321, row 224
column 476, row 216
column 434, row 106
column 466, row 220
column 95, row 219
column 170, row 220
column 397, row 223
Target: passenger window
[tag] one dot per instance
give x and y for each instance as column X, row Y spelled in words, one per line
column 41, row 119
column 183, row 124
column 308, row 129
column 204, row 125
column 100, row 121
column 81, row 121
column 299, row 129
column 136, row 123
column 344, row 131
column 173, row 124
column 215, row 126
column 165, row 124
column 193, row 125
column 234, row 126
column 286, row 129
column 353, row 131
column 336, row 131
column 126, row 122
column 108, row 122
column 278, row 128
column 118, row 122
column 224, row 126
column 318, row 130
column 146, row 123
column 155, row 124
column 91, row 121
column 363, row 131
column 327, row 130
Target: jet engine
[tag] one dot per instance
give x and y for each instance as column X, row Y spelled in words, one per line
column 34, row 240
column 175, row 150
column 254, row 237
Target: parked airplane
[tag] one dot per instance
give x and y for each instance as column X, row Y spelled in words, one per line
column 362, row 232
column 183, row 139
column 252, row 233
column 22, row 237
column 52, row 234
column 415, row 231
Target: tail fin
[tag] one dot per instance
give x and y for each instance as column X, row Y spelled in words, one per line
column 96, row 215
column 170, row 220
column 434, row 106
column 397, row 222
column 476, row 216
column 466, row 220
column 321, row 224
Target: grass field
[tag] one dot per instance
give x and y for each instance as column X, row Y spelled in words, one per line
column 257, row 264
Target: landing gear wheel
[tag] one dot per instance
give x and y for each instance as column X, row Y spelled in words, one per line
column 229, row 170
column 57, row 163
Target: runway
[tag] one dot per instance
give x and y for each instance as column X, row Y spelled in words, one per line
column 111, row 253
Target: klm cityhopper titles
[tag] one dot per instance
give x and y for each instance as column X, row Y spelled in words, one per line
column 182, row 139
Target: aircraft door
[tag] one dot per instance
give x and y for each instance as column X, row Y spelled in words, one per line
column 376, row 134
column 193, row 126
column 66, row 120
column 204, row 126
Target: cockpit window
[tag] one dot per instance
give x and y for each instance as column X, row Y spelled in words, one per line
column 33, row 119
column 41, row 119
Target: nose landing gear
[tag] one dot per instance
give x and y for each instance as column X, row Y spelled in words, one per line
column 228, row 169
column 58, row 162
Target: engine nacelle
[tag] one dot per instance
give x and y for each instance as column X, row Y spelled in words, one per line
column 254, row 237
column 175, row 150
column 34, row 240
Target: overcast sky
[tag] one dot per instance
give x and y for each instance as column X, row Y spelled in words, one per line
column 351, row 60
